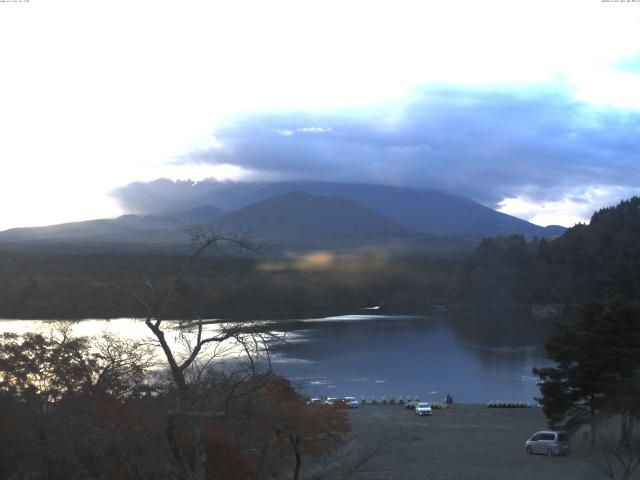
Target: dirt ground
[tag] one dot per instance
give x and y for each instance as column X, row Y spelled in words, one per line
column 463, row 442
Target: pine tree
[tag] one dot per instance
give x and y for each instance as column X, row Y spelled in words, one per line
column 598, row 368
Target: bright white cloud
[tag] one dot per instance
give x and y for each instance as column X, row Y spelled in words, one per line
column 575, row 207
column 608, row 88
column 97, row 94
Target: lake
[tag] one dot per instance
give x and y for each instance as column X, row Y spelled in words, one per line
column 475, row 357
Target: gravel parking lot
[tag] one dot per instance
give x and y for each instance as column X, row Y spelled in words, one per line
column 465, row 441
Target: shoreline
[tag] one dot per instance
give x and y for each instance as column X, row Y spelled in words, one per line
column 550, row 311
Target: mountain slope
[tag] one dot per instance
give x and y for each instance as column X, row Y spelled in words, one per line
column 598, row 262
column 124, row 229
column 425, row 211
column 302, row 215
column 293, row 219
column 301, row 210
column 202, row 214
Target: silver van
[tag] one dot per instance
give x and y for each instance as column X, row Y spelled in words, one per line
column 548, row 443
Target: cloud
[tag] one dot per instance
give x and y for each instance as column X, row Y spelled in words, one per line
column 487, row 144
column 629, row 64
column 537, row 152
column 575, row 207
column 159, row 196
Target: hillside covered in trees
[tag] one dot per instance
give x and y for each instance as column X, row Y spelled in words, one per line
column 593, row 261
column 600, row 259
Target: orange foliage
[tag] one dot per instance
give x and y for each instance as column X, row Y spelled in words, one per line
column 283, row 423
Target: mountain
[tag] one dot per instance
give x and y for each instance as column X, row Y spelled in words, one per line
column 202, row 214
column 552, row 231
column 124, row 229
column 127, row 228
column 425, row 211
column 300, row 215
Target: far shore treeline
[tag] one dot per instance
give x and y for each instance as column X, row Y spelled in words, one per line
column 600, row 260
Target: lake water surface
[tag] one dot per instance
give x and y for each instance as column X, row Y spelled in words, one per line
column 409, row 356
column 477, row 360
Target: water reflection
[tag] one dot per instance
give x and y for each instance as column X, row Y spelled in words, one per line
column 477, row 358
column 501, row 327
column 180, row 340
column 408, row 356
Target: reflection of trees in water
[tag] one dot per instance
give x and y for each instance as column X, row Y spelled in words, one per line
column 499, row 327
column 387, row 336
column 505, row 339
column 516, row 362
column 488, row 329
column 417, row 355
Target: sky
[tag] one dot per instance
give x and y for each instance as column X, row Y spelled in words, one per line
column 532, row 108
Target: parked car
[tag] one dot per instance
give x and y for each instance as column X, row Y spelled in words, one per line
column 330, row 401
column 548, row 442
column 411, row 404
column 423, row 408
column 351, row 402
column 314, row 401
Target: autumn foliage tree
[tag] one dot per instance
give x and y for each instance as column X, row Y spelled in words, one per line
column 283, row 425
column 44, row 368
column 71, row 408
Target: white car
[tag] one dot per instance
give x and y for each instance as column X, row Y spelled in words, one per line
column 330, row 401
column 548, row 442
column 351, row 402
column 423, row 408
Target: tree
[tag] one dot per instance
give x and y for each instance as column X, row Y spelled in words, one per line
column 43, row 368
column 598, row 368
column 617, row 459
column 70, row 407
column 282, row 422
column 186, row 368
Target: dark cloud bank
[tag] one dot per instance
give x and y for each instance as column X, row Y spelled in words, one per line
column 483, row 144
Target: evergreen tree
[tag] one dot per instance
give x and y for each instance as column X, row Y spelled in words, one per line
column 598, row 368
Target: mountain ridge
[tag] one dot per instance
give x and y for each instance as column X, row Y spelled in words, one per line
column 426, row 211
column 332, row 211
column 301, row 214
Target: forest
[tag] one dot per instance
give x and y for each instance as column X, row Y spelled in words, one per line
column 597, row 260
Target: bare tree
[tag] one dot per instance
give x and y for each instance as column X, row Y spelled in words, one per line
column 617, row 458
column 200, row 395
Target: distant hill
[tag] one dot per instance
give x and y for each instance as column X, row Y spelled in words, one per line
column 202, row 214
column 124, row 229
column 552, row 231
column 595, row 262
column 425, row 211
column 605, row 254
column 299, row 215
